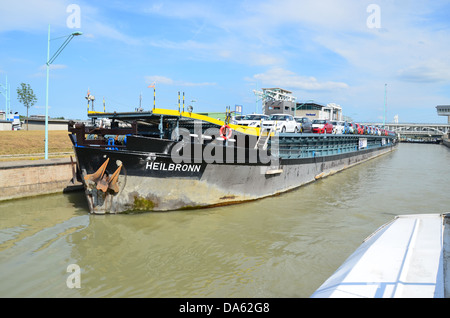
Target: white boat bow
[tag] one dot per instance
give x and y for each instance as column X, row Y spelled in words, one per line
column 405, row 258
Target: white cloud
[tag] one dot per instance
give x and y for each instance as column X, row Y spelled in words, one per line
column 322, row 47
column 197, row 84
column 179, row 9
column 53, row 67
column 430, row 71
column 280, row 77
column 258, row 58
column 159, row 80
column 168, row 81
column 328, row 14
column 29, row 15
column 97, row 29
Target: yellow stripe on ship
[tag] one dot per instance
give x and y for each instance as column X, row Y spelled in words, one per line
column 242, row 129
column 91, row 112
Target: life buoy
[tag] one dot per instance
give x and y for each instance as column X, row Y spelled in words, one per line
column 229, row 132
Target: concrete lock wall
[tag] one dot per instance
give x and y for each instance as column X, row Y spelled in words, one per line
column 20, row 179
column 446, row 142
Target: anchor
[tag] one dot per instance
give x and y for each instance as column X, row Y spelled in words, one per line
column 102, row 186
column 103, row 181
column 96, row 176
column 113, row 180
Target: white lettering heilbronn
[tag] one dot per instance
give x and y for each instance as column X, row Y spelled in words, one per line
column 162, row 166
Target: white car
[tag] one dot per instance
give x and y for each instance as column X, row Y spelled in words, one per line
column 252, row 120
column 282, row 123
column 237, row 118
column 338, row 127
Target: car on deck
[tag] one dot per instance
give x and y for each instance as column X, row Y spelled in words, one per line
column 338, row 126
column 322, row 126
column 281, row 123
column 359, row 129
column 252, row 120
column 305, row 124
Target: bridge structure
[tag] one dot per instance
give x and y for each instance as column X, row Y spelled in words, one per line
column 411, row 129
column 417, row 132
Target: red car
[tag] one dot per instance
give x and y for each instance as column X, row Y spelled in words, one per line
column 322, row 126
column 359, row 129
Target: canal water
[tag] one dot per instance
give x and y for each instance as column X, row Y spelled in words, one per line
column 283, row 246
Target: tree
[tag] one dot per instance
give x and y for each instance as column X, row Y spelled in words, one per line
column 26, row 96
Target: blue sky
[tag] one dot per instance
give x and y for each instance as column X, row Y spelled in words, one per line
column 218, row 52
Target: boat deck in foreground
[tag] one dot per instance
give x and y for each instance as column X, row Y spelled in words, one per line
column 406, row 258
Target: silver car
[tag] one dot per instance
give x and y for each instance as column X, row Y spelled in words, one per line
column 305, row 124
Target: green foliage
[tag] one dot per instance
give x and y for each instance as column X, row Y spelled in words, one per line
column 26, row 96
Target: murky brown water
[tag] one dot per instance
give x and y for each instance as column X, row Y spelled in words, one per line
column 283, row 246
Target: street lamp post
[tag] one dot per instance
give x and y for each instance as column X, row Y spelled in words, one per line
column 50, row 61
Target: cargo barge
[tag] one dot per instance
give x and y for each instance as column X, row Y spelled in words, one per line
column 164, row 160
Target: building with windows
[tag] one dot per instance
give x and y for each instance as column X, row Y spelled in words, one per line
column 314, row 110
column 9, row 121
column 280, row 101
column 276, row 101
column 444, row 110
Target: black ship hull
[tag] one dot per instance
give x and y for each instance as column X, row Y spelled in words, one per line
column 154, row 181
